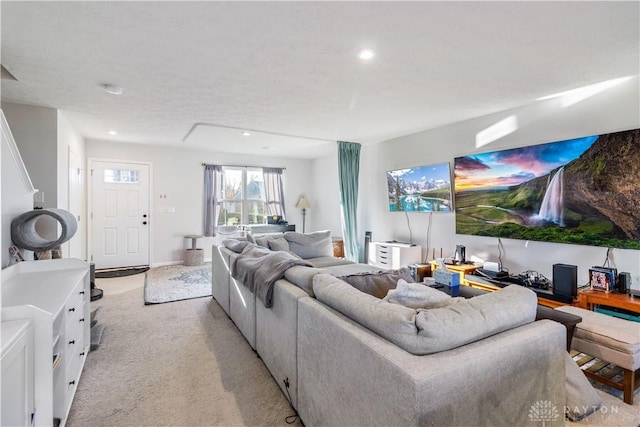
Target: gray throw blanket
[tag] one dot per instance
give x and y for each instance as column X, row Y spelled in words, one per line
column 258, row 269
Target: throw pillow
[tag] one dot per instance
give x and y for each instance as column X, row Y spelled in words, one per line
column 234, row 245
column 250, row 238
column 262, row 241
column 279, row 244
column 310, row 245
column 378, row 283
column 417, row 295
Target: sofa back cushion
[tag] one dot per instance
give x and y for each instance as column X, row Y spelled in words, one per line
column 430, row 331
column 279, row 244
column 378, row 283
column 302, row 277
column 234, row 245
column 310, row 245
column 476, row 318
column 391, row 321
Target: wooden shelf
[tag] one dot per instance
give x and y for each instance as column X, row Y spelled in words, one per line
column 589, row 298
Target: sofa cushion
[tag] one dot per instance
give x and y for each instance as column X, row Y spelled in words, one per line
column 262, row 241
column 348, row 269
column 234, row 245
column 476, row 318
column 302, row 277
column 391, row 321
column 430, row 331
column 378, row 283
column 250, row 238
column 417, row 295
column 278, row 244
column 328, row 261
column 310, row 245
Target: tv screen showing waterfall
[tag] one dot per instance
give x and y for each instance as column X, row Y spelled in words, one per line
column 582, row 191
column 420, row 189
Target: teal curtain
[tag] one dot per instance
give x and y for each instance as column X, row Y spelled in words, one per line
column 349, row 170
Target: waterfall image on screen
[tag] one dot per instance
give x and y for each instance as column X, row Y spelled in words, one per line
column 420, row 189
column 582, row 191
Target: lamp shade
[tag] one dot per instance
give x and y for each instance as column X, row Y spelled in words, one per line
column 303, row 203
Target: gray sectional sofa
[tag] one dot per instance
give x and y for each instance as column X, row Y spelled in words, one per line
column 348, row 358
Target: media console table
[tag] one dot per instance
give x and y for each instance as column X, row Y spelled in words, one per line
column 589, row 298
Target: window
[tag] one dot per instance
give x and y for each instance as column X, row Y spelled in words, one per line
column 243, row 198
column 120, row 176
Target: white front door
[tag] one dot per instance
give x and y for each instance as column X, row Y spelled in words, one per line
column 120, row 214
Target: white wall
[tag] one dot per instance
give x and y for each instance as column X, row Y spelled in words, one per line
column 325, row 196
column 35, row 130
column 613, row 110
column 17, row 194
column 177, row 172
column 44, row 137
column 68, row 139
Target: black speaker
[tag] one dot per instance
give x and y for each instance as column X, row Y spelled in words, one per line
column 624, row 282
column 565, row 280
column 367, row 240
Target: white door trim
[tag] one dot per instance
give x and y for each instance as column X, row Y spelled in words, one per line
column 90, row 161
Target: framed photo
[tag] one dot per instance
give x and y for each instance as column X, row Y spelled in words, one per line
column 601, row 279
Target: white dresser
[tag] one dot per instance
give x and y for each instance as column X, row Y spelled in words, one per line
column 17, row 373
column 393, row 255
column 55, row 296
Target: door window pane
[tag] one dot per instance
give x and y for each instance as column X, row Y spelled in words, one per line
column 120, row 176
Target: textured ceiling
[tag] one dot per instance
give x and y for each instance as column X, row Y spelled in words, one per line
column 197, row 73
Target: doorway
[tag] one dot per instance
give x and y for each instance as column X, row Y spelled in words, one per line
column 119, row 213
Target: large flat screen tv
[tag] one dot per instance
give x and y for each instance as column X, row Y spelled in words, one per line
column 582, row 191
column 420, row 189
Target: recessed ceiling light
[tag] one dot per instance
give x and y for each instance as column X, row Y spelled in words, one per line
column 112, row 89
column 246, row 134
column 112, row 132
column 366, row 54
column 268, row 148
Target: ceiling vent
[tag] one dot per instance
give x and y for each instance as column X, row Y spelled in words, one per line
column 6, row 75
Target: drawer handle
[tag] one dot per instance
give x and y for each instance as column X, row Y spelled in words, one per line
column 72, row 382
column 82, row 320
column 81, row 292
column 72, row 342
column 82, row 354
column 72, row 309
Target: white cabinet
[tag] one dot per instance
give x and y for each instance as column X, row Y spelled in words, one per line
column 394, row 255
column 17, row 373
column 54, row 295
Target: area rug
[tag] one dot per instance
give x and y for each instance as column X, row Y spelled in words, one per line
column 177, row 282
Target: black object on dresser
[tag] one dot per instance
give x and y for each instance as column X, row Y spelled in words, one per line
column 565, row 280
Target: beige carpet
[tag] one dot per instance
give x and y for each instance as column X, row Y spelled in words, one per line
column 185, row 364
column 177, row 364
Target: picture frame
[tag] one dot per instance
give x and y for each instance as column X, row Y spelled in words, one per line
column 601, row 279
